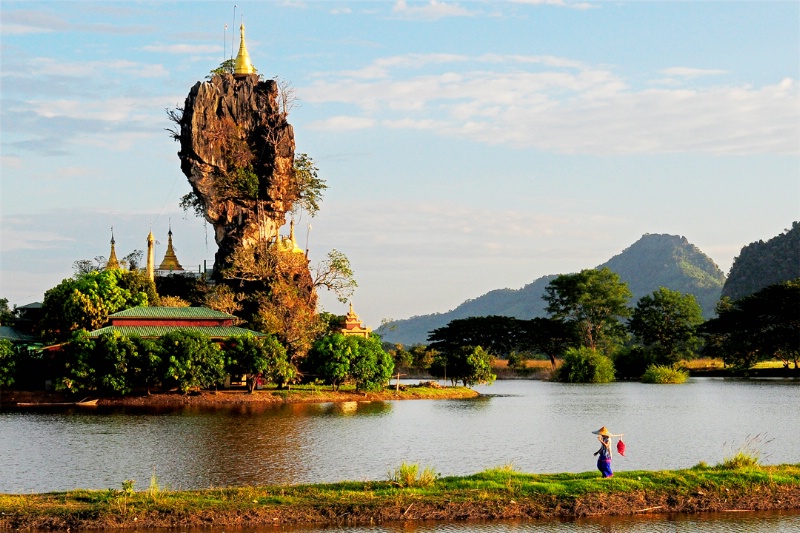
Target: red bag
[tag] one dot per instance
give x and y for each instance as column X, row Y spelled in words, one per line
column 621, row 448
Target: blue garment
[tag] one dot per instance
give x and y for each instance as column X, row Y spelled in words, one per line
column 604, row 466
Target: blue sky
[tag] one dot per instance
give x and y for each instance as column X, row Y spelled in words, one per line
column 467, row 146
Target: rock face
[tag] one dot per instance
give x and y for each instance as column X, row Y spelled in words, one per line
column 237, row 150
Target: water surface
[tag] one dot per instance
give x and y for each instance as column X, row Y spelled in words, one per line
column 536, row 426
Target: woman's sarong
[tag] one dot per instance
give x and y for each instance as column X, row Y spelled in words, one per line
column 604, row 466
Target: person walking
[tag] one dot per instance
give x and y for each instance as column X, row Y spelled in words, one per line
column 604, row 453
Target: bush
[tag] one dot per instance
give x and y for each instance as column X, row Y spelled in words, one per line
column 585, row 365
column 664, row 374
column 632, row 361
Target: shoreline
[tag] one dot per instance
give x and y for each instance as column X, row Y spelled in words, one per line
column 231, row 397
column 491, row 495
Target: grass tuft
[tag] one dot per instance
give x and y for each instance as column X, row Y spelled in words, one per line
column 409, row 475
column 664, row 374
column 748, row 455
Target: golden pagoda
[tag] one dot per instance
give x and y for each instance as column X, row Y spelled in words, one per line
column 243, row 66
column 170, row 262
column 352, row 325
column 112, row 257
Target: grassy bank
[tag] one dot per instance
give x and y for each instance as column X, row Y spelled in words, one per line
column 493, row 494
column 296, row 394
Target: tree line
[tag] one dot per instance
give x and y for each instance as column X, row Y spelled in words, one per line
column 595, row 333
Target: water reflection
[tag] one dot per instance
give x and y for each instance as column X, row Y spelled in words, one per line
column 536, row 426
column 761, row 522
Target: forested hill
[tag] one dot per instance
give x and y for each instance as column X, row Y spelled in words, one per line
column 760, row 264
column 651, row 262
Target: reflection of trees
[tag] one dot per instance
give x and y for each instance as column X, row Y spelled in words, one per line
column 251, row 444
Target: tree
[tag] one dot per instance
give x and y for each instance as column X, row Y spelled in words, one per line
column 226, row 67
column 763, row 325
column 468, row 364
column 666, row 322
column 500, row 335
column 145, row 367
column 595, row 301
column 335, row 274
column 259, row 357
column 192, row 360
column 549, row 337
column 330, row 357
column 370, row 367
column 86, row 301
column 585, row 365
column 308, row 186
column 6, row 316
column 7, row 363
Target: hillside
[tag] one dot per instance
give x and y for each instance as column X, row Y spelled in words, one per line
column 760, row 264
column 651, row 262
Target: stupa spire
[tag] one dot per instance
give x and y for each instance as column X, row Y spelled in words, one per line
column 112, row 257
column 243, row 66
column 170, row 261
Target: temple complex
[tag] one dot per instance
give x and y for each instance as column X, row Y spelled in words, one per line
column 352, row 325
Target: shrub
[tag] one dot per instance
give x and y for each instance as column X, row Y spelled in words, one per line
column 408, row 475
column 664, row 374
column 632, row 361
column 585, row 365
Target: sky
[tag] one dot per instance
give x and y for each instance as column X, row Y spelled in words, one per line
column 467, row 146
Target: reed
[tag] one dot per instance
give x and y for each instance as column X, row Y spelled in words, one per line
column 664, row 374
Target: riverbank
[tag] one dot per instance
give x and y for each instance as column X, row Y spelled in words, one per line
column 296, row 394
column 494, row 494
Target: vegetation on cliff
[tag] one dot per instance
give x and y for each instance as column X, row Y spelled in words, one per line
column 760, row 264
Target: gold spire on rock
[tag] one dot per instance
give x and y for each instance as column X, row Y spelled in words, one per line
column 170, row 261
column 243, row 66
column 112, row 257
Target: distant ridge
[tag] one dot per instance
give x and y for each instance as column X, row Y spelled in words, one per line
column 760, row 264
column 653, row 261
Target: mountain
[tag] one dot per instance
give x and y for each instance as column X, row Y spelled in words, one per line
column 651, row 262
column 760, row 264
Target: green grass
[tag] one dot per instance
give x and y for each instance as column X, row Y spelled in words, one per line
column 664, row 374
column 389, row 499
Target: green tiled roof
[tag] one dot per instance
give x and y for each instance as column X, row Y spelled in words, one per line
column 170, row 312
column 215, row 332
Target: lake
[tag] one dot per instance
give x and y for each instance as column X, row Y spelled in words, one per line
column 536, row 426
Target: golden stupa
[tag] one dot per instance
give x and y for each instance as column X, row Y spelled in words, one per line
column 112, row 257
column 170, row 262
column 243, row 66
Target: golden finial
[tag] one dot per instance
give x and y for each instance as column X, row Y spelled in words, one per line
column 243, row 66
column 112, row 258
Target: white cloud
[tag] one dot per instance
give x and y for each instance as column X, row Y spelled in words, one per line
column 688, row 72
column 183, row 48
column 563, row 106
column 87, row 69
column 342, row 123
column 433, row 10
column 110, row 110
column 557, row 3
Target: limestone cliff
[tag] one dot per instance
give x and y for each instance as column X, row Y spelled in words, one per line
column 237, row 150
